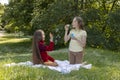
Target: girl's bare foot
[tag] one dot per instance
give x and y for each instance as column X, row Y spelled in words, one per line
column 49, row 63
column 84, row 63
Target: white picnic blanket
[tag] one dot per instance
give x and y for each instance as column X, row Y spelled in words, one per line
column 63, row 66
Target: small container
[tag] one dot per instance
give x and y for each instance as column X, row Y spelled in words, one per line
column 72, row 35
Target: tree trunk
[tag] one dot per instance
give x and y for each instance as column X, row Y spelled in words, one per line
column 113, row 4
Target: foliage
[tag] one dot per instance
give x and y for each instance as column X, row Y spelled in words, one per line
column 113, row 41
column 18, row 14
column 53, row 18
column 1, row 12
column 102, row 25
column 101, row 18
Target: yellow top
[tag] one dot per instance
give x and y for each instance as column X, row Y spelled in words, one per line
column 74, row 45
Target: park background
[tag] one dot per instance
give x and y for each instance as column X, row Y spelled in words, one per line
column 20, row 18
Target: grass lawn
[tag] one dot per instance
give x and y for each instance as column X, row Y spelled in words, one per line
column 105, row 64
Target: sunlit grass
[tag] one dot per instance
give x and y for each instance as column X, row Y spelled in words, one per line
column 105, row 63
column 15, row 40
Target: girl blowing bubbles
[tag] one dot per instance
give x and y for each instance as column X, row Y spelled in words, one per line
column 78, row 40
column 40, row 55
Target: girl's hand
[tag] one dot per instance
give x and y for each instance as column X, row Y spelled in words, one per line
column 67, row 27
column 51, row 36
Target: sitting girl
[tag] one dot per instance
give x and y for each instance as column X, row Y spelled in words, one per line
column 40, row 55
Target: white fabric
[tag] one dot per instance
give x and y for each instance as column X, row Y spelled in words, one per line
column 63, row 66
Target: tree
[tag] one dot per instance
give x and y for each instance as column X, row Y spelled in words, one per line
column 18, row 13
column 101, row 18
column 53, row 17
column 1, row 12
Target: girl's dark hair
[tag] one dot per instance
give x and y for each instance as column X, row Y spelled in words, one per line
column 36, row 52
column 80, row 22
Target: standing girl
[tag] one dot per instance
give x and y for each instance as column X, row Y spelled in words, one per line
column 78, row 40
column 40, row 55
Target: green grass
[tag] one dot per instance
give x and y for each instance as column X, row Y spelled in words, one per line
column 105, row 64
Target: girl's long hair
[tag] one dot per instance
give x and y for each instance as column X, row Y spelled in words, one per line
column 80, row 22
column 36, row 52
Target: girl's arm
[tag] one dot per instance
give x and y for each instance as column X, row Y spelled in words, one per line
column 44, row 47
column 82, row 41
column 66, row 36
column 49, row 47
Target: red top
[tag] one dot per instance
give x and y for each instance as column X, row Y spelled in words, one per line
column 43, row 51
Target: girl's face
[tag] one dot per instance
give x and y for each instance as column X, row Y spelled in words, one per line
column 75, row 23
column 43, row 35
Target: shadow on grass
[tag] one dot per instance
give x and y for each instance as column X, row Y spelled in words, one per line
column 14, row 47
column 16, row 58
